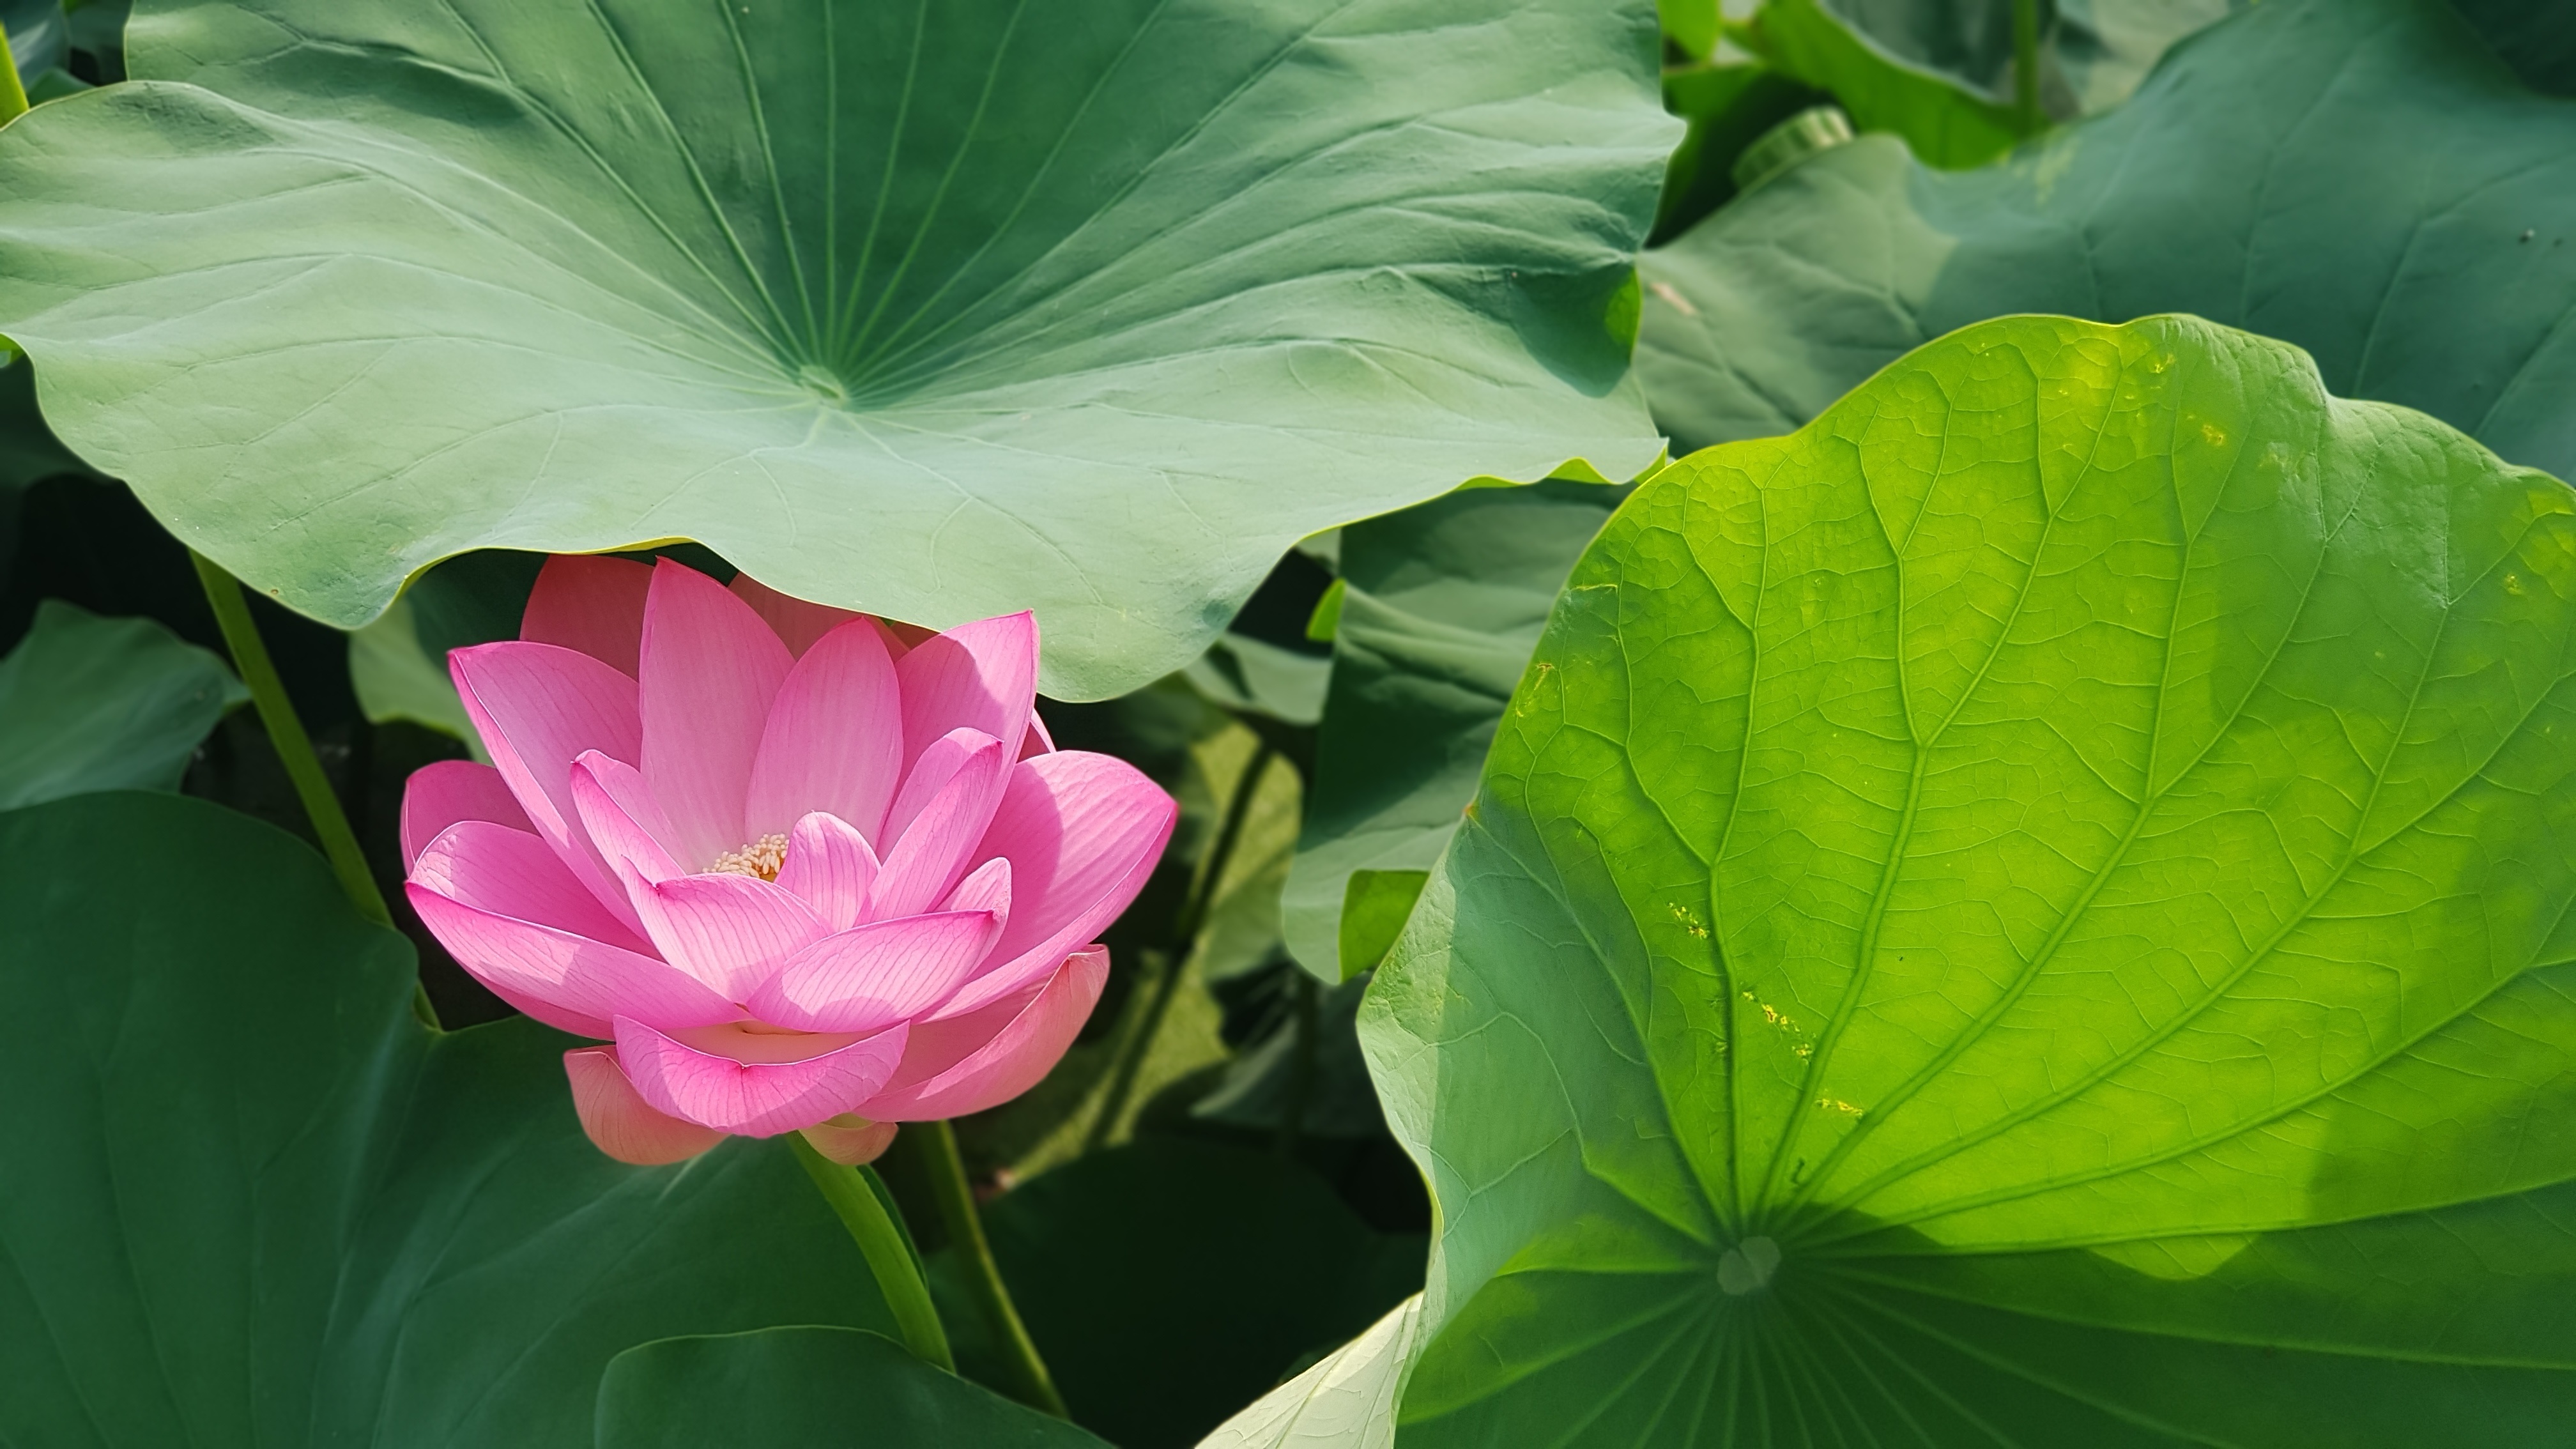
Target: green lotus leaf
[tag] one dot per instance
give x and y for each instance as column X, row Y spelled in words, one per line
column 2040, row 909
column 801, row 1388
column 1441, row 606
column 938, row 311
column 104, row 704
column 254, row 1202
column 2359, row 177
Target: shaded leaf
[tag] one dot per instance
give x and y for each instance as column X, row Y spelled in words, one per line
column 2359, row 177
column 271, row 1209
column 1169, row 1283
column 2039, row 909
column 1442, row 605
column 938, row 312
column 103, row 704
column 1347, row 1400
column 805, row 1388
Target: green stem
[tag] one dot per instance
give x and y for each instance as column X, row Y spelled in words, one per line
column 936, row 1145
column 2026, row 66
column 863, row 1211
column 1185, row 930
column 13, row 92
column 286, row 733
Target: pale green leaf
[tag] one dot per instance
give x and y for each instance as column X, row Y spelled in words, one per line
column 104, row 704
column 938, row 311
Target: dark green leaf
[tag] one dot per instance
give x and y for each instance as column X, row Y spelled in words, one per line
column 103, row 704
column 1442, row 604
column 2359, row 177
column 253, row 1202
column 1945, row 125
column 939, row 311
column 807, row 1388
column 1169, row 1282
column 2040, row 909
column 28, row 449
column 1727, row 108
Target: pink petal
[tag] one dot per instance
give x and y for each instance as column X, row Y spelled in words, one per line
column 709, row 670
column 850, row 1140
column 1082, row 833
column 623, row 822
column 732, row 932
column 834, row 740
column 757, row 1098
column 796, row 623
column 439, row 795
column 873, row 976
column 592, row 603
column 620, row 1122
column 929, row 775
column 979, row 676
column 969, row 1063
column 830, row 867
column 539, row 707
column 930, row 857
column 986, row 888
column 509, row 912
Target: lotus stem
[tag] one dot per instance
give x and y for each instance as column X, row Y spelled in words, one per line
column 1133, row 1046
column 2026, row 66
column 861, row 1207
column 1031, row 1384
column 294, row 746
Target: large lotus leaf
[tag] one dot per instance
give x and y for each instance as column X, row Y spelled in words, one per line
column 1346, row 1401
column 934, row 310
column 29, row 451
column 103, row 704
column 1441, row 606
column 804, row 1388
column 2359, row 177
column 2093, row 53
column 2040, row 909
column 252, row 1201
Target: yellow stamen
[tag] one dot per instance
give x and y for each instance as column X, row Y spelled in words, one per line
column 761, row 858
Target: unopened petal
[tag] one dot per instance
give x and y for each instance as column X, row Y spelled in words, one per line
column 796, row 623
column 620, row 1122
column 755, row 1099
column 707, row 676
column 980, row 676
column 1082, row 833
column 834, row 740
column 592, row 603
column 872, row 976
column 438, row 795
column 969, row 1063
column 830, row 867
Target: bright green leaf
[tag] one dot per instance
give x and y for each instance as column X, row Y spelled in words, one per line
column 2359, row 177
column 103, row 704
column 254, row 1202
column 1374, row 906
column 2040, row 909
column 1170, row 1282
column 1441, row 606
column 935, row 310
column 807, row 1388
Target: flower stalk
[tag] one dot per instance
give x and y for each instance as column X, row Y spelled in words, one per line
column 862, row 1209
column 286, row 733
column 936, row 1145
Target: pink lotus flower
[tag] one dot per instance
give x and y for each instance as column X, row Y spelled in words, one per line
column 806, row 878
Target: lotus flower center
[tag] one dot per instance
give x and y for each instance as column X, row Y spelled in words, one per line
column 761, row 858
